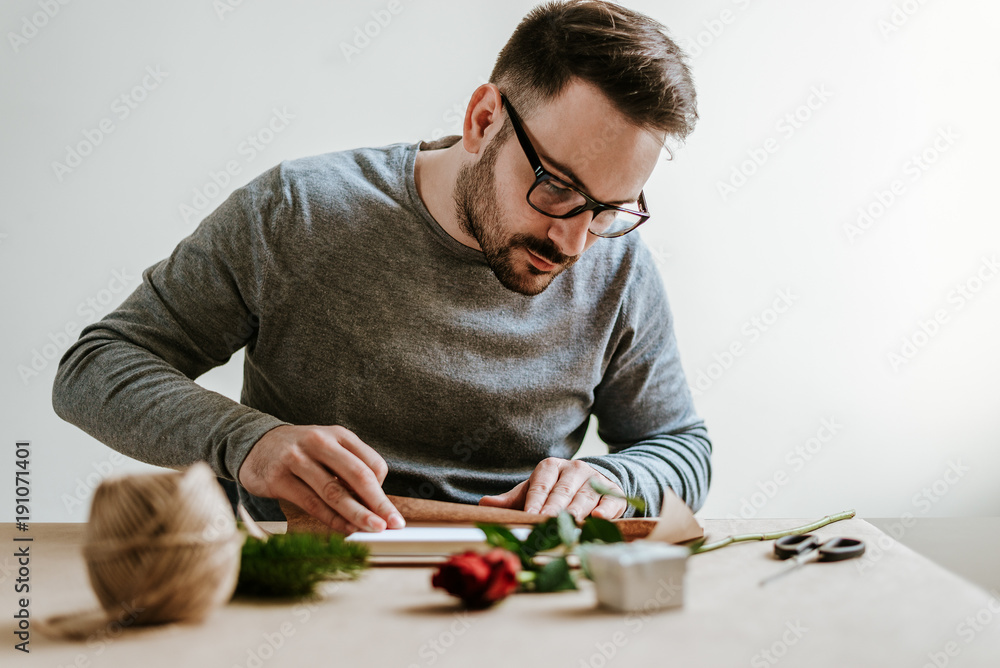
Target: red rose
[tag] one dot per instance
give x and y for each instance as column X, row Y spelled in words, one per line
column 480, row 580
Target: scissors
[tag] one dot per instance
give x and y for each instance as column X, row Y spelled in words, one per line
column 803, row 547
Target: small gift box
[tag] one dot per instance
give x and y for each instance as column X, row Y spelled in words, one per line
column 640, row 575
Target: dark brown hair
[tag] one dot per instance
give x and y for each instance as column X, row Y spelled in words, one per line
column 625, row 54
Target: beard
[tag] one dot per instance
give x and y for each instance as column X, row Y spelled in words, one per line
column 479, row 216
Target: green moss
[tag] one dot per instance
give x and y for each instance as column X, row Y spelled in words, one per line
column 292, row 564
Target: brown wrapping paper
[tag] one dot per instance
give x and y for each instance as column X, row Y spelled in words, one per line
column 676, row 523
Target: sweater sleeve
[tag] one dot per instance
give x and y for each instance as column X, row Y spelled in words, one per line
column 644, row 407
column 128, row 381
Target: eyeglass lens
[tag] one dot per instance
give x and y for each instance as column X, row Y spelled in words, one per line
column 551, row 198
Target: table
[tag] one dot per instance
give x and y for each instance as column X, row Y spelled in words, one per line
column 977, row 558
column 893, row 607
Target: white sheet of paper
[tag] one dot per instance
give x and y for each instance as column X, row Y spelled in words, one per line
column 426, row 541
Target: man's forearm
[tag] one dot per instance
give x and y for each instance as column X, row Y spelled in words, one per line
column 681, row 462
column 129, row 379
column 132, row 400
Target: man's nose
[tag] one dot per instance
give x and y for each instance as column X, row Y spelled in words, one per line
column 570, row 234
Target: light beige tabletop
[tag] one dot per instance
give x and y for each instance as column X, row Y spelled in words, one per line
column 892, row 607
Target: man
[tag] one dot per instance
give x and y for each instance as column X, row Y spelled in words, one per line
column 430, row 320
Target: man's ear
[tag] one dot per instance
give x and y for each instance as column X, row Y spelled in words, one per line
column 483, row 118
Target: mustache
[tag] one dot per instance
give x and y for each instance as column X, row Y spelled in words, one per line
column 544, row 249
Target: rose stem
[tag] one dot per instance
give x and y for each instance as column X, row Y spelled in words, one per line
column 829, row 519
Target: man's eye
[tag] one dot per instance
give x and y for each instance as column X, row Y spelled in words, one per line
column 557, row 190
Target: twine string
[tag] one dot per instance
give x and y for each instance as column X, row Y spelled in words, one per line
column 159, row 548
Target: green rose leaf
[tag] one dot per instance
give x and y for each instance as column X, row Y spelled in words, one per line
column 568, row 531
column 500, row 536
column 554, row 576
column 544, row 536
column 597, row 529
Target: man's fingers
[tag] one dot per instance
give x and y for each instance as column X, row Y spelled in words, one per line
column 364, row 452
column 610, row 507
column 541, row 482
column 572, row 478
column 305, row 498
column 335, row 493
column 584, row 502
column 512, row 498
column 355, row 475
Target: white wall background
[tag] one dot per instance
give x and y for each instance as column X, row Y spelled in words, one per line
column 894, row 76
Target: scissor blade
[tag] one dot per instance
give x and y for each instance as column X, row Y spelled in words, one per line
column 796, row 562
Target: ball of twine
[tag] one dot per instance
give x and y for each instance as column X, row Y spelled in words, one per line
column 159, row 547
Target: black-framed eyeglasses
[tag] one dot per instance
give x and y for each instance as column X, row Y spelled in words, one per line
column 556, row 198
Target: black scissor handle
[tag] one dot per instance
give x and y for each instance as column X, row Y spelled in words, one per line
column 787, row 547
column 838, row 549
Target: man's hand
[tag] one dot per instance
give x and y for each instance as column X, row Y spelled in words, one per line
column 327, row 471
column 556, row 484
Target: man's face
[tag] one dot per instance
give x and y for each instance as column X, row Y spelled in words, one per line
column 581, row 138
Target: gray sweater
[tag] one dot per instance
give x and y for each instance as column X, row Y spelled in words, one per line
column 357, row 309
